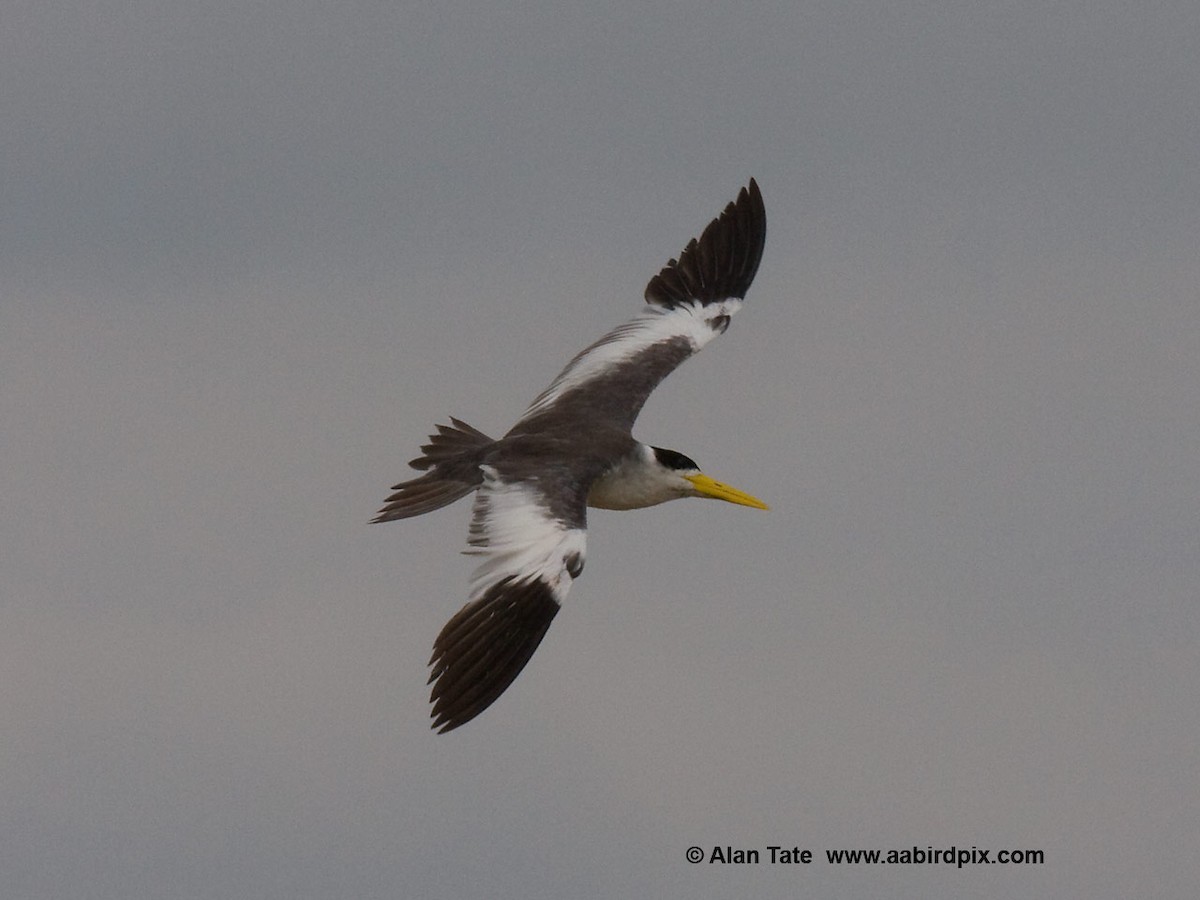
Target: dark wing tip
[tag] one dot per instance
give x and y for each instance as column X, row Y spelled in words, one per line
column 722, row 262
column 484, row 647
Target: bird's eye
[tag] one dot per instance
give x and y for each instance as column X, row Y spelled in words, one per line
column 719, row 324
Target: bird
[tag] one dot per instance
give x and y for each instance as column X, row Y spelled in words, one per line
column 572, row 449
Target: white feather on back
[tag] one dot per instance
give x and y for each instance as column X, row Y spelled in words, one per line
column 520, row 539
column 652, row 326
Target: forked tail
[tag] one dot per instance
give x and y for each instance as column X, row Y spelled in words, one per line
column 452, row 458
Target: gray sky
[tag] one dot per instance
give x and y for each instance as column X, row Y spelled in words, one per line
column 251, row 253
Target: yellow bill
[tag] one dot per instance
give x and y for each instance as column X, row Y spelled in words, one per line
column 707, row 487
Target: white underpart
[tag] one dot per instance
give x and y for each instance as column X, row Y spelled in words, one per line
column 652, row 326
column 638, row 482
column 519, row 538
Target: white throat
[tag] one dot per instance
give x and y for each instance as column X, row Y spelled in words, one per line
column 638, row 481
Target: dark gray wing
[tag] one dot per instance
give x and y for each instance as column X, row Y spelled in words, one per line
column 689, row 303
column 533, row 547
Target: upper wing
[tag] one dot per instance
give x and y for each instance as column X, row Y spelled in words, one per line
column 532, row 556
column 689, row 303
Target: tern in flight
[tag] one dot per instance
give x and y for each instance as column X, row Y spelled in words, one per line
column 572, row 449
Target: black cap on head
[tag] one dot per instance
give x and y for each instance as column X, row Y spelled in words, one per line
column 672, row 460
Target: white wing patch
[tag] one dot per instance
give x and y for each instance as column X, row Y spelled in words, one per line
column 521, row 540
column 694, row 321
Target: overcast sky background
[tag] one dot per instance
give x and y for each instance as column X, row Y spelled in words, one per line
column 250, row 253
